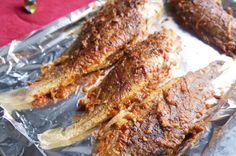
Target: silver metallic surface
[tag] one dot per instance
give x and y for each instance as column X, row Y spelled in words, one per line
column 30, row 6
column 20, row 62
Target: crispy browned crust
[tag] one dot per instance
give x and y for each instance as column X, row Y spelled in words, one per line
column 209, row 21
column 115, row 25
column 161, row 122
column 147, row 62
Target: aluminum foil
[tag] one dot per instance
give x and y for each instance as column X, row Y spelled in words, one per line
column 20, row 62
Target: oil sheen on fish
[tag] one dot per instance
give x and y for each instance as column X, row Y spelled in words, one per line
column 209, row 21
column 99, row 44
column 147, row 62
column 162, row 121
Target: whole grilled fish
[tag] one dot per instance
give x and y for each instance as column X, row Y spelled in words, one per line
column 209, row 21
column 162, row 121
column 98, row 46
column 145, row 64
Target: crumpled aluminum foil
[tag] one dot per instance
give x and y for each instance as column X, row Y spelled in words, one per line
column 20, row 62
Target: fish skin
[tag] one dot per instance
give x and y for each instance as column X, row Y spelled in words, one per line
column 99, row 44
column 208, row 21
column 143, row 63
column 171, row 113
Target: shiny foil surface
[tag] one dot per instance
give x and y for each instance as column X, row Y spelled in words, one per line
column 20, row 62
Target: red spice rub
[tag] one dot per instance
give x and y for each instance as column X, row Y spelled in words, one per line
column 98, row 46
column 209, row 21
column 171, row 114
column 144, row 63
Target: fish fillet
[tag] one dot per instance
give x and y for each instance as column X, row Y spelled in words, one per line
column 146, row 64
column 209, row 21
column 162, row 121
column 99, row 44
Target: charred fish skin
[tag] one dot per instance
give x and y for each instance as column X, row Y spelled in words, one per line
column 209, row 21
column 146, row 61
column 98, row 46
column 171, row 113
column 117, row 24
